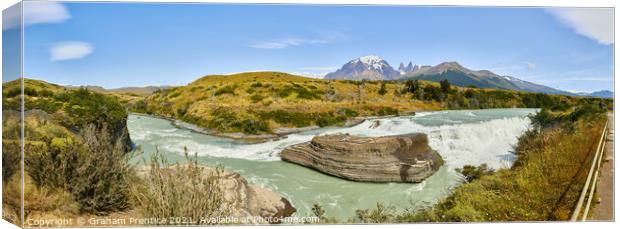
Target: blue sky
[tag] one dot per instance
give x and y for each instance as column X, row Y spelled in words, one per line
column 121, row 44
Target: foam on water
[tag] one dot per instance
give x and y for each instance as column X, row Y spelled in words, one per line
column 487, row 141
column 461, row 137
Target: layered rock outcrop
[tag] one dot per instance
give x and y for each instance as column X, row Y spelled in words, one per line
column 402, row 158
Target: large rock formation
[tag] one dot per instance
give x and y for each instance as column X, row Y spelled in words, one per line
column 403, row 158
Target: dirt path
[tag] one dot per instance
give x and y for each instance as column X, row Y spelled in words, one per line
column 604, row 210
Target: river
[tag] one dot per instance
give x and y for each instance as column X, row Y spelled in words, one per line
column 464, row 137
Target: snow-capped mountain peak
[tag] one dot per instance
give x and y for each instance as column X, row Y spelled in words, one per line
column 366, row 67
column 373, row 61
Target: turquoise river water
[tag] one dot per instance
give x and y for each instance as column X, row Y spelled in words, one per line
column 465, row 137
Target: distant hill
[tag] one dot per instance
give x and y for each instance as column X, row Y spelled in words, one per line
column 375, row 68
column 599, row 94
column 461, row 76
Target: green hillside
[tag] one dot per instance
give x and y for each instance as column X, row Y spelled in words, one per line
column 263, row 102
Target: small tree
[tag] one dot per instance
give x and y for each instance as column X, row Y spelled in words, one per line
column 445, row 86
column 382, row 90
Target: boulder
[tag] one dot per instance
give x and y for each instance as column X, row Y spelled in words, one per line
column 254, row 201
column 402, row 158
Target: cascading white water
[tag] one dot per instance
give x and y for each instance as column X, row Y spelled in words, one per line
column 461, row 137
column 490, row 141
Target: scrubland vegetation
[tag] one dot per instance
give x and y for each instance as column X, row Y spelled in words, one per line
column 77, row 145
column 77, row 161
column 260, row 102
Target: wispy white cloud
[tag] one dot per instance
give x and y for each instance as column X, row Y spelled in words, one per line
column 327, row 68
column 317, row 75
column 286, row 43
column 323, row 37
column 513, row 66
column 529, row 65
column 69, row 50
column 594, row 23
column 37, row 12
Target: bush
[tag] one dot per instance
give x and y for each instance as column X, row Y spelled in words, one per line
column 84, row 107
column 387, row 111
column 36, row 199
column 302, row 92
column 382, row 90
column 103, row 176
column 256, row 98
column 225, row 120
column 327, row 119
column 380, row 214
column 11, row 158
column 228, row 89
column 472, row 173
column 347, row 112
column 96, row 173
column 181, row 191
column 299, row 119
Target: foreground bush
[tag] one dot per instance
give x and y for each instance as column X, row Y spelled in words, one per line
column 95, row 172
column 36, row 199
column 186, row 192
column 11, row 158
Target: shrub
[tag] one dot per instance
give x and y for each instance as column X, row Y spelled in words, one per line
column 13, row 92
column 327, row 119
column 319, row 212
column 472, row 173
column 380, row 214
column 36, row 199
column 382, row 90
column 302, row 92
column 297, row 119
column 228, row 89
column 226, row 120
column 257, row 98
column 96, row 173
column 84, row 107
column 103, row 176
column 11, row 158
column 256, row 84
column 347, row 112
column 387, row 111
column 186, row 191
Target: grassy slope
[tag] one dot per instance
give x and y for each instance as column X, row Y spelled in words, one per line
column 250, row 93
column 260, row 102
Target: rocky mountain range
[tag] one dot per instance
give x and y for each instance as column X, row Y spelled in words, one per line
column 374, row 68
column 366, row 67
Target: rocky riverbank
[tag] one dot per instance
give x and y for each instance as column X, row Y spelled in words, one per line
column 403, row 158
